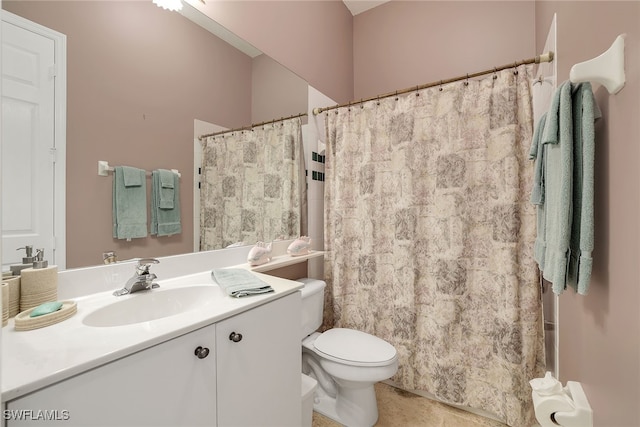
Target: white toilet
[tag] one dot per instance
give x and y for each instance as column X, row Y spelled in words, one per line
column 345, row 362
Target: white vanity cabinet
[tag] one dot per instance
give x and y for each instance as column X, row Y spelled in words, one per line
column 243, row 370
column 259, row 366
column 164, row 385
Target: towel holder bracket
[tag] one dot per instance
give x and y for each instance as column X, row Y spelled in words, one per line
column 606, row 69
column 103, row 168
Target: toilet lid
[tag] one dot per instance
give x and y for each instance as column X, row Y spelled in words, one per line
column 354, row 346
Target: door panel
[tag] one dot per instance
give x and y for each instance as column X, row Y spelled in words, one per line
column 259, row 365
column 28, row 118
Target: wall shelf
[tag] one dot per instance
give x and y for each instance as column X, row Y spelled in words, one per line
column 282, row 261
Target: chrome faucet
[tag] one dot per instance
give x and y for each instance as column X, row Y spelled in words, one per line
column 141, row 280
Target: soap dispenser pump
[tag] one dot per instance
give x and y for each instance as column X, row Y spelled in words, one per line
column 27, row 261
column 38, row 259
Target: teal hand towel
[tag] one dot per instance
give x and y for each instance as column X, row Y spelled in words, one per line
column 166, row 188
column 132, row 176
column 165, row 221
column 585, row 113
column 129, row 203
column 537, row 192
column 238, row 283
column 537, row 153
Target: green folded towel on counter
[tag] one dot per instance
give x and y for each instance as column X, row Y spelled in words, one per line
column 237, row 282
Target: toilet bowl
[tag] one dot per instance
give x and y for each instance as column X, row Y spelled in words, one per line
column 345, row 362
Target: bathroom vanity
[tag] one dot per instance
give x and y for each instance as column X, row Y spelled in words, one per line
column 222, row 361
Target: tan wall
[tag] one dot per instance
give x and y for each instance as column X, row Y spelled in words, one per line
column 600, row 333
column 407, row 43
column 275, row 88
column 138, row 76
column 313, row 38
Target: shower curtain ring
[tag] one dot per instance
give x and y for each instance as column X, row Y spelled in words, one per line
column 515, row 66
column 466, row 83
column 495, row 73
column 361, row 103
column 396, row 95
column 417, row 90
column 440, row 89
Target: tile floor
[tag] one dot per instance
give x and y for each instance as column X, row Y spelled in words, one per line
column 398, row 408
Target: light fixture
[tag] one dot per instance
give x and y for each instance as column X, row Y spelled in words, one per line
column 171, row 5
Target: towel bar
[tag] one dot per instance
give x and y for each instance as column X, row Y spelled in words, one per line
column 104, row 169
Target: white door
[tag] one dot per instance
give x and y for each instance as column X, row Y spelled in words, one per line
column 30, row 142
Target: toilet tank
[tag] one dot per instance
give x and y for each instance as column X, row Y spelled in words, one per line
column 312, row 305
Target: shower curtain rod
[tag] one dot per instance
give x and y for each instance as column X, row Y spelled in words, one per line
column 201, row 137
column 545, row 57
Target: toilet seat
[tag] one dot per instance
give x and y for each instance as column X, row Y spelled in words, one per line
column 353, row 347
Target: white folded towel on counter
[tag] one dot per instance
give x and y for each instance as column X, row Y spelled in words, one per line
column 237, row 282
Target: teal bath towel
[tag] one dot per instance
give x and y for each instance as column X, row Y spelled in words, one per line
column 552, row 244
column 585, row 113
column 563, row 188
column 129, row 203
column 237, row 282
column 165, row 203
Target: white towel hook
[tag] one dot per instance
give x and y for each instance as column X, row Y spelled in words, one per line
column 606, row 69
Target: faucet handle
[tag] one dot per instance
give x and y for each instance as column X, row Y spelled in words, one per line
column 144, row 264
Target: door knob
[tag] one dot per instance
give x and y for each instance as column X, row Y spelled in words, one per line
column 235, row 337
column 201, row 352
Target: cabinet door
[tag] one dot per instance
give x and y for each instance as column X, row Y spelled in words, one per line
column 259, row 368
column 165, row 385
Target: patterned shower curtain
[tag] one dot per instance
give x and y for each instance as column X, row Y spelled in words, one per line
column 253, row 186
column 428, row 238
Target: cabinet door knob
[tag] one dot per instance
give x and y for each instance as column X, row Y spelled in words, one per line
column 201, row 352
column 235, row 337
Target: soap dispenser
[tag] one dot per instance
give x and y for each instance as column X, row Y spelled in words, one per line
column 38, row 284
column 27, row 261
column 38, row 260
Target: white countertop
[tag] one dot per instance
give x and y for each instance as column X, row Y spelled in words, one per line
column 41, row 357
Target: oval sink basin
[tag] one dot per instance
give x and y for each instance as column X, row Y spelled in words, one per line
column 150, row 305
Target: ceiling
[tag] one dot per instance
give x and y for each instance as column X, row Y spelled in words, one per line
column 359, row 6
